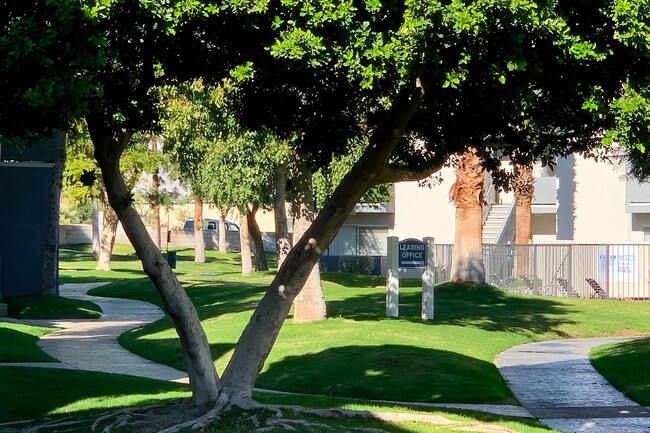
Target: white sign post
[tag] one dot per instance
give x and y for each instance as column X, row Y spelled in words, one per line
column 428, row 281
column 392, row 278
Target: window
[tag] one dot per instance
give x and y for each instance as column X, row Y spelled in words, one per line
column 372, row 241
column 345, row 242
column 646, row 233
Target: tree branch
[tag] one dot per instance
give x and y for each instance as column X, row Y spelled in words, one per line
column 395, row 173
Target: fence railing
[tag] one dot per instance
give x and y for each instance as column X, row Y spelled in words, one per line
column 622, row 271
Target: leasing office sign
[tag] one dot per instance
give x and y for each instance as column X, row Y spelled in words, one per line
column 412, row 254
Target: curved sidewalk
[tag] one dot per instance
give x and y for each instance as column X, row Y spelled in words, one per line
column 555, row 381
column 92, row 344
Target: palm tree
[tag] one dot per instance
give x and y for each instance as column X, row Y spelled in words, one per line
column 523, row 185
column 467, row 195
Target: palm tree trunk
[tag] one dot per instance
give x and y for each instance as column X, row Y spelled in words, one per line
column 467, row 195
column 524, row 189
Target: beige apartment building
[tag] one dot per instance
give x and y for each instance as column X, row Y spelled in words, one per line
column 588, row 221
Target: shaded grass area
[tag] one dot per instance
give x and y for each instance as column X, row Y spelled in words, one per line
column 358, row 352
column 51, row 307
column 625, row 365
column 38, row 392
column 18, row 343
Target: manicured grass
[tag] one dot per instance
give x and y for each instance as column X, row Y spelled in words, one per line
column 51, row 307
column 18, row 343
column 37, row 392
column 359, row 353
column 625, row 365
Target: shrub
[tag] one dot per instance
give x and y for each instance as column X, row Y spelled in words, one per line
column 361, row 265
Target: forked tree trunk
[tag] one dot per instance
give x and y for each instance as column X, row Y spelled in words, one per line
column 49, row 276
column 260, row 334
column 524, row 189
column 282, row 240
column 199, row 242
column 467, row 195
column 256, row 235
column 309, row 305
column 108, row 234
column 244, row 241
column 94, row 223
column 109, row 145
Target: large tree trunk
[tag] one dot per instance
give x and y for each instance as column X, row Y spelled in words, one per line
column 109, row 145
column 223, row 240
column 49, row 276
column 282, row 240
column 109, row 232
column 467, row 195
column 256, row 234
column 245, row 246
column 524, row 189
column 260, row 334
column 94, row 222
column 199, row 242
column 309, row 305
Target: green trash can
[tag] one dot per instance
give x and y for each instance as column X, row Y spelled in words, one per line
column 171, row 258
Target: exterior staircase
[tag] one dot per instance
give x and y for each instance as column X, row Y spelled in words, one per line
column 494, row 221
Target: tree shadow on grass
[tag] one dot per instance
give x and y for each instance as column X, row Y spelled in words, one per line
column 28, row 398
column 20, row 346
column 211, row 298
column 166, row 351
column 389, row 372
column 480, row 306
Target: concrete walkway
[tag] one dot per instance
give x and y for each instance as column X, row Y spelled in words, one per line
column 555, row 381
column 92, row 344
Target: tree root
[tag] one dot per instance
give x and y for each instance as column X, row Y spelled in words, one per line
column 56, row 425
column 202, row 421
column 391, row 417
column 171, row 418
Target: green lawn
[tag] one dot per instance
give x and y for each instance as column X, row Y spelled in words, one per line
column 51, row 307
column 359, row 353
column 37, row 392
column 625, row 365
column 18, row 343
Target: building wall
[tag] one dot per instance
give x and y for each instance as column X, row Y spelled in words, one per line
column 600, row 215
column 425, row 212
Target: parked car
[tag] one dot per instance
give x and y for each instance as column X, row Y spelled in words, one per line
column 211, row 224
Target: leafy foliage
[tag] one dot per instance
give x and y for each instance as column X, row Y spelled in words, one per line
column 49, row 50
column 327, row 178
